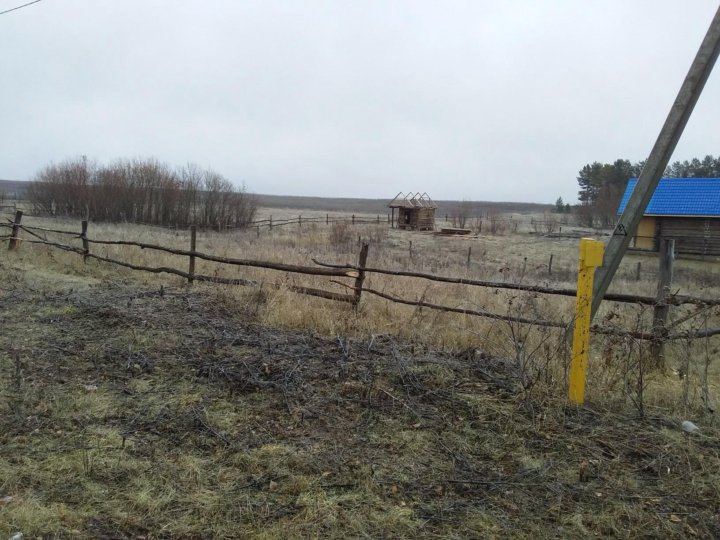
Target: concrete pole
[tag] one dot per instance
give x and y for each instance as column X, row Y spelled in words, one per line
column 659, row 157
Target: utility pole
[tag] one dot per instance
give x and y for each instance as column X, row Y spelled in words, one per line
column 657, row 161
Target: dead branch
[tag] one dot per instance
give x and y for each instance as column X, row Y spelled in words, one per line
column 33, row 234
column 615, row 297
column 198, row 277
column 475, row 312
column 693, row 334
column 350, row 270
column 699, row 310
column 236, row 262
column 45, row 229
column 648, row 336
column 322, row 294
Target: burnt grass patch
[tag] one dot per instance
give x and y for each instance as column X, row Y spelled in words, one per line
column 131, row 413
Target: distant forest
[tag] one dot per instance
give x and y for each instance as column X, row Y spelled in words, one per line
column 602, row 184
column 12, row 189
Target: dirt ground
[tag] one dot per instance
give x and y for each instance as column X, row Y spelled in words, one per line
column 130, row 412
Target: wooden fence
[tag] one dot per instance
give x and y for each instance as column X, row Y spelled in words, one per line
column 327, row 220
column 658, row 335
column 352, row 219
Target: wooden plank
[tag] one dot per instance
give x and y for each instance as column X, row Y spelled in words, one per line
column 693, row 236
column 454, row 231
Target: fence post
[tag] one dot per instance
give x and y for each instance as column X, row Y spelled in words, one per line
column 591, row 256
column 327, row 219
column 637, row 272
column 299, row 221
column 271, row 223
column 191, row 268
column 360, row 279
column 15, row 230
column 468, row 256
column 550, row 265
column 410, row 247
column 353, row 219
column 83, row 237
column 661, row 310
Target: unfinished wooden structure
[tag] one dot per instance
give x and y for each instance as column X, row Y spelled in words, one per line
column 686, row 210
column 415, row 211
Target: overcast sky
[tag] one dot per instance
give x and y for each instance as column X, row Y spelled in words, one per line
column 484, row 100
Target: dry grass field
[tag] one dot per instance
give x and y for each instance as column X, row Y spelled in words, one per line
column 136, row 406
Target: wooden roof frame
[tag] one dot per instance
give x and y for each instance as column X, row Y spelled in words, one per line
column 412, row 200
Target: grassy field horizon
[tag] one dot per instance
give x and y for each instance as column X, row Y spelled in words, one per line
column 12, row 189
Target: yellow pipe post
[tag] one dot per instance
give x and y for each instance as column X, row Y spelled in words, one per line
column 591, row 256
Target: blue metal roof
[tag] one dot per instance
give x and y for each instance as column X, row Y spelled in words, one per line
column 680, row 197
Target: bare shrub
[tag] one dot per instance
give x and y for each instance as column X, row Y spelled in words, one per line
column 536, row 356
column 585, row 215
column 376, row 234
column 498, row 225
column 550, row 223
column 141, row 191
column 62, row 188
column 340, row 234
column 461, row 214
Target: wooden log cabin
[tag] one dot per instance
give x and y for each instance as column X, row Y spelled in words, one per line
column 413, row 211
column 684, row 209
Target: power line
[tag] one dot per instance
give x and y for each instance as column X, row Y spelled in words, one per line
column 20, row 7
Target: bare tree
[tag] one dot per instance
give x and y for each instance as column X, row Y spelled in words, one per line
column 497, row 224
column 461, row 214
column 550, row 222
column 141, row 190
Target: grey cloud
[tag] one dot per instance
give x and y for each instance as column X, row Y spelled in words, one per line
column 493, row 100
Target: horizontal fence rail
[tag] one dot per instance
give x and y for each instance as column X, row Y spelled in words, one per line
column 615, row 297
column 358, row 272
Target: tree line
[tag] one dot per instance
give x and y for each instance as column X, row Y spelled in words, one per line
column 141, row 191
column 602, row 185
